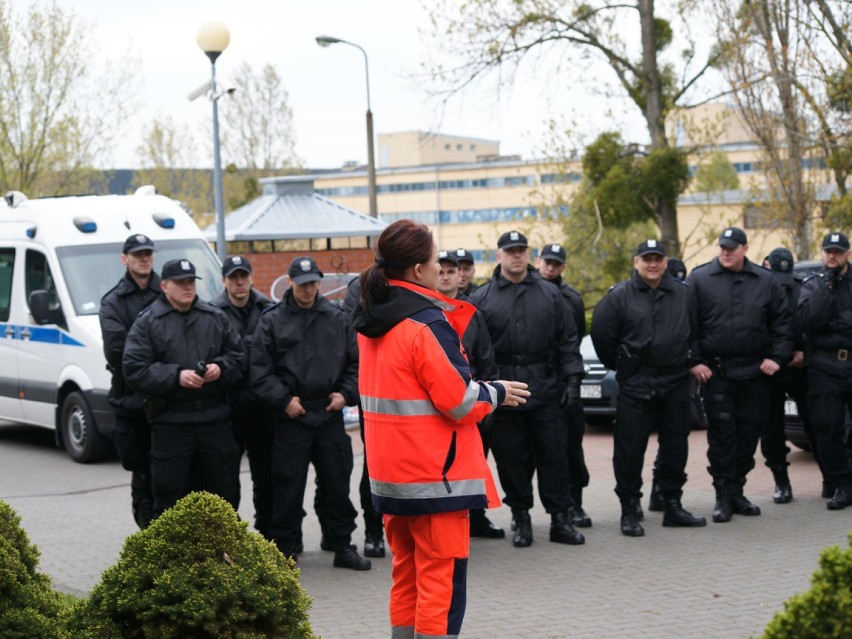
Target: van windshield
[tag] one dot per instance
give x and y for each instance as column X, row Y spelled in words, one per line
column 92, row 271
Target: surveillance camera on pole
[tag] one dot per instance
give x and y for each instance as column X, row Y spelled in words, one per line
column 199, row 91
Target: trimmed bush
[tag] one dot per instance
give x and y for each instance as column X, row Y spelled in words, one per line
column 824, row 611
column 197, row 572
column 29, row 608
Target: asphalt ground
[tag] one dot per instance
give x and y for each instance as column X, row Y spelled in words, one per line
column 722, row 581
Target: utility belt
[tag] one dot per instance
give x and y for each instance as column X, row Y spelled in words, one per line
column 191, row 406
column 505, row 359
column 315, row 404
column 724, row 364
column 840, row 354
column 645, row 369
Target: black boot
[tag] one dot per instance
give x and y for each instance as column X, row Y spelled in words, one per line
column 562, row 532
column 740, row 505
column 656, row 504
column 141, row 499
column 348, row 557
column 523, row 529
column 722, row 511
column 326, row 542
column 374, row 544
column 783, row 491
column 630, row 525
column 842, row 498
column 481, row 526
column 675, row 515
column 578, row 516
column 640, row 514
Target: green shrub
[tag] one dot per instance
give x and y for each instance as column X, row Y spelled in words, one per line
column 29, row 608
column 824, row 611
column 196, row 572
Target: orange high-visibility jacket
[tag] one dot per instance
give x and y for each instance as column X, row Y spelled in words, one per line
column 424, row 451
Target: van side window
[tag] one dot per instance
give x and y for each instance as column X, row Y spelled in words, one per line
column 38, row 277
column 7, row 267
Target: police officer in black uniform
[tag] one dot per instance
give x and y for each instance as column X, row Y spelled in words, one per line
column 467, row 270
column 480, row 356
column 304, row 370
column 551, row 265
column 745, row 335
column 242, row 305
column 135, row 291
column 825, row 315
column 644, row 329
column 374, row 527
column 184, row 355
column 791, row 379
column 535, row 341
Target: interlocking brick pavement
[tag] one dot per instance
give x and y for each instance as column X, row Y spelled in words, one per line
column 722, row 581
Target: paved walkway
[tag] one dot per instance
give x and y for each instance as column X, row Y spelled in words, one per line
column 723, row 581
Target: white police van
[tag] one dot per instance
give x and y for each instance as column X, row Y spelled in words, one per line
column 58, row 257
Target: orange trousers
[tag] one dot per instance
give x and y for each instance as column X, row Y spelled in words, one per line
column 429, row 592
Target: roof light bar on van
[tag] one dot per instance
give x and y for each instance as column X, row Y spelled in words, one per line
column 146, row 189
column 85, row 224
column 13, row 198
column 163, row 220
column 31, row 232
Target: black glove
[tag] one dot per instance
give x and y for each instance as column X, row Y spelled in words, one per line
column 571, row 394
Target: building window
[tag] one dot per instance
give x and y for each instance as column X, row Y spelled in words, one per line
column 459, row 147
column 473, row 147
column 447, row 147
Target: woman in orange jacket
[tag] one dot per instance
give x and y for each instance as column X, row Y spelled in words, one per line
column 424, row 452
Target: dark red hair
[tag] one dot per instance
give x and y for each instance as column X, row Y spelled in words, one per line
column 401, row 245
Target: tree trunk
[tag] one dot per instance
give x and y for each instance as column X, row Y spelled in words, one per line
column 655, row 113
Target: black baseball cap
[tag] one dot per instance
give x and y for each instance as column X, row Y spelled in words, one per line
column 732, row 237
column 835, row 241
column 235, row 263
column 677, row 268
column 781, row 264
column 553, row 252
column 649, row 247
column 137, row 242
column 512, row 239
column 463, row 255
column 303, row 270
column 448, row 256
column 178, row 270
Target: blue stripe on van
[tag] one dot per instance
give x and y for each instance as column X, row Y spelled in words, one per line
column 42, row 334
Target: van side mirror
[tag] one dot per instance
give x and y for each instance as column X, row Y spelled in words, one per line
column 40, row 307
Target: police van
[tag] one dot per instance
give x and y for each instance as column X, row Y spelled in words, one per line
column 58, row 257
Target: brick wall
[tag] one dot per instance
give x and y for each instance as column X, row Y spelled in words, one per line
column 268, row 267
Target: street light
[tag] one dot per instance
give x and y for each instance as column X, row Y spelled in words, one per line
column 213, row 38
column 325, row 41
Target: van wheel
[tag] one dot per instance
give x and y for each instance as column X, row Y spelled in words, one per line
column 79, row 433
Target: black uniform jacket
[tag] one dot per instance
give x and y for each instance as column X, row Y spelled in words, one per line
column 119, row 309
column 575, row 304
column 164, row 341
column 743, row 318
column 825, row 313
column 534, row 338
column 245, row 321
column 644, row 334
column 477, row 346
column 304, row 353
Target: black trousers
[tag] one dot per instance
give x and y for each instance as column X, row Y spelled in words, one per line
column 773, row 441
column 189, row 457
column 519, row 437
column 636, row 417
column 736, row 414
column 133, row 440
column 253, row 434
column 829, row 397
column 329, row 449
column 575, row 422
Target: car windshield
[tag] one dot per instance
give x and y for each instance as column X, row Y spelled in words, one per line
column 91, row 271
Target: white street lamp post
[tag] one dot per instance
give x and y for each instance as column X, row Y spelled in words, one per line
column 325, row 41
column 213, row 38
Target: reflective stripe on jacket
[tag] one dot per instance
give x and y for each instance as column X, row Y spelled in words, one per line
column 420, row 408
